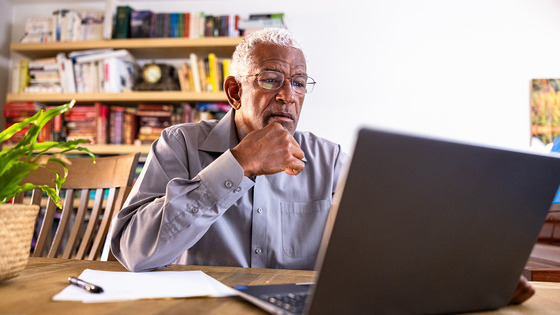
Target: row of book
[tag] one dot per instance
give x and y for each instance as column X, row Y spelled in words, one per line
column 111, row 71
column 64, row 25
column 132, row 23
column 91, row 71
column 203, row 73
column 112, row 124
column 126, row 22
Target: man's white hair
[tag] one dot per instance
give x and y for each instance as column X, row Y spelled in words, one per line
column 242, row 59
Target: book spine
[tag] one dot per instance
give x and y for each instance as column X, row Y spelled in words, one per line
column 213, row 72
column 122, row 26
column 23, row 75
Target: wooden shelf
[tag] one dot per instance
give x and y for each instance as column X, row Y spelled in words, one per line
column 141, row 48
column 106, row 149
column 124, row 97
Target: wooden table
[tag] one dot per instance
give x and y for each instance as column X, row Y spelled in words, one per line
column 32, row 291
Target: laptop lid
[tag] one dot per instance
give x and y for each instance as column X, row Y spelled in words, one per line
column 431, row 226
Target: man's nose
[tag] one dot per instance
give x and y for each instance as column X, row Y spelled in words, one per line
column 286, row 92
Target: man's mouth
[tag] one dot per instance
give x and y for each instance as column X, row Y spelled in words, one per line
column 281, row 116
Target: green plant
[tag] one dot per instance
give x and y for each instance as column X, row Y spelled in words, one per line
column 28, row 155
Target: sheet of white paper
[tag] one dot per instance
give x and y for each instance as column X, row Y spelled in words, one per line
column 120, row 286
column 221, row 289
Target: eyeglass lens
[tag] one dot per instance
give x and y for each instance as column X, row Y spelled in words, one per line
column 272, row 80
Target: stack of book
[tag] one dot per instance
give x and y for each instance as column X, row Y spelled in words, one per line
column 42, row 76
column 152, row 119
column 81, row 123
column 122, row 125
column 15, row 112
column 104, row 70
column 257, row 22
column 45, row 75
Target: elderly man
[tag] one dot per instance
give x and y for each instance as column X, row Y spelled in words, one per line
column 247, row 191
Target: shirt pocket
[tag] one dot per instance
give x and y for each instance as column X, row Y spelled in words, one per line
column 303, row 224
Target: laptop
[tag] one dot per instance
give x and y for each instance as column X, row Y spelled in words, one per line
column 424, row 226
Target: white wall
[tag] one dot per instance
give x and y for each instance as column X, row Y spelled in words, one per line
column 456, row 69
column 5, row 37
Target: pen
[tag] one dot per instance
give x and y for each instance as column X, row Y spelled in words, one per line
column 92, row 288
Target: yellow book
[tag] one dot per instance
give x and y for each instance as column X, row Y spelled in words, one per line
column 213, row 72
column 227, row 62
column 23, row 75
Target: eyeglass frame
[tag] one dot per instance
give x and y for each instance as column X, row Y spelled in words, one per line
column 291, row 79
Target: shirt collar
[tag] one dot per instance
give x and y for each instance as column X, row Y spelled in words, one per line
column 222, row 137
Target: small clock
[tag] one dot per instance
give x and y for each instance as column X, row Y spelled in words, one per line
column 151, row 73
column 158, row 77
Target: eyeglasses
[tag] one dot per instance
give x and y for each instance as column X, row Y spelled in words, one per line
column 273, row 80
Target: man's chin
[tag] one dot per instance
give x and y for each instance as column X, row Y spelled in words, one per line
column 289, row 125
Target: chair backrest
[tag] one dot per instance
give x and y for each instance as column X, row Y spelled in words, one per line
column 107, row 183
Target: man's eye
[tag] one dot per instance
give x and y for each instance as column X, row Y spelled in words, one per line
column 298, row 82
column 269, row 80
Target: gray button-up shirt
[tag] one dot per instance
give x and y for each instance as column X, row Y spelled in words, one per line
column 193, row 205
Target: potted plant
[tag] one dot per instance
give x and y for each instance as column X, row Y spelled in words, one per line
column 17, row 221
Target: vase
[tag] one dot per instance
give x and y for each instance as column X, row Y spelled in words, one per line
column 17, row 222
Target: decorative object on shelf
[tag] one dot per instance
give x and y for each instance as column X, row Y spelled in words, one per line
column 158, row 77
column 17, row 221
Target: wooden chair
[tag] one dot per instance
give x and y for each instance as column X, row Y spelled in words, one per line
column 108, row 182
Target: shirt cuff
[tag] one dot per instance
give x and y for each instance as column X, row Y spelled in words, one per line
column 225, row 176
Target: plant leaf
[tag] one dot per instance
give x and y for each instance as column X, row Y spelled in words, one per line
column 13, row 129
column 12, row 177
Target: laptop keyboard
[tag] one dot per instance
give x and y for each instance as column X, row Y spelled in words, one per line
column 292, row 302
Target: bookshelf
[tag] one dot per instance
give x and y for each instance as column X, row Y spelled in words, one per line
column 142, row 49
column 123, row 98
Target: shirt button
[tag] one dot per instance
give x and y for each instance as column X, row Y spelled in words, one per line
column 259, row 210
column 194, row 209
column 228, row 184
column 238, row 189
column 258, row 251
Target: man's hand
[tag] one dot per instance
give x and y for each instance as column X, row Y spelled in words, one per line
column 268, row 151
column 523, row 291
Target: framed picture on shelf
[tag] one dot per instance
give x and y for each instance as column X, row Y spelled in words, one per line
column 545, row 111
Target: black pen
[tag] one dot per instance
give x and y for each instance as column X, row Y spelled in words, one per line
column 92, row 288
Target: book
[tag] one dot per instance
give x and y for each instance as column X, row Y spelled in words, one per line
column 195, row 72
column 23, row 75
column 186, row 24
column 122, row 23
column 109, row 19
column 116, row 124
column 213, row 73
column 22, row 109
column 101, row 118
column 66, row 73
column 159, row 28
column 80, row 123
column 173, row 25
column 140, row 23
column 123, row 54
column 92, row 25
column 66, row 25
column 38, row 30
column 130, row 128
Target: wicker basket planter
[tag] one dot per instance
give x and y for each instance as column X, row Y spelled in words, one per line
column 16, row 231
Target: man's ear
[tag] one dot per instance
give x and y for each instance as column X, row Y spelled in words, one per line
column 233, row 92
